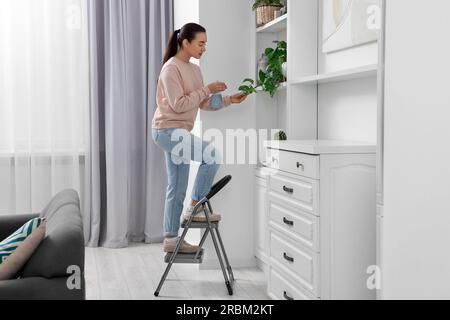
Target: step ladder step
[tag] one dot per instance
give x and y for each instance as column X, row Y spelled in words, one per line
column 199, row 225
column 191, row 258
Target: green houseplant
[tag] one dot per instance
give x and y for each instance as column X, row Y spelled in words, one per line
column 280, row 135
column 270, row 79
column 248, row 87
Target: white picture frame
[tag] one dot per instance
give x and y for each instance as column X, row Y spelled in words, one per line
column 349, row 23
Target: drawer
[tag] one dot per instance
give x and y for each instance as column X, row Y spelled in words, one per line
column 297, row 163
column 301, row 264
column 280, row 288
column 303, row 227
column 301, row 193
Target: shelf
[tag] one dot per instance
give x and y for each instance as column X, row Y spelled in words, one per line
column 274, row 26
column 350, row 74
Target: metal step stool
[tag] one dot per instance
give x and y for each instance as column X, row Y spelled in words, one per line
column 210, row 228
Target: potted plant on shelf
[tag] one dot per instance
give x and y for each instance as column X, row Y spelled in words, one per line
column 265, row 10
column 280, row 136
column 271, row 78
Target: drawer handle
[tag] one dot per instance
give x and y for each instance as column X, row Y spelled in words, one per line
column 288, row 190
column 290, row 259
column 285, row 295
column 288, row 222
column 300, row 166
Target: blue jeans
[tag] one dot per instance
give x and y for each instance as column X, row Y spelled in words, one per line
column 180, row 147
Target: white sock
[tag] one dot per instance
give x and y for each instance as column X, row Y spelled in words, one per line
column 175, row 239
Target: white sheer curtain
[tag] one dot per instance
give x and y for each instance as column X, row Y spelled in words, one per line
column 44, row 102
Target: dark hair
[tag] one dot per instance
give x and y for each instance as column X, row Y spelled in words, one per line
column 188, row 32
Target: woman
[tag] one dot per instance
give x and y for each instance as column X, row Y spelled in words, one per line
column 180, row 94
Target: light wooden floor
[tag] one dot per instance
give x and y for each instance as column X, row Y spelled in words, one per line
column 134, row 273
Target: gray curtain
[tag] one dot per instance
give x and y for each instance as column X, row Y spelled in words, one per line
column 127, row 43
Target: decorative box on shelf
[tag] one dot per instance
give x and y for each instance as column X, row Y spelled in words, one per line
column 265, row 14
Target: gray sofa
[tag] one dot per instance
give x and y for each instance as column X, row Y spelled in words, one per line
column 46, row 274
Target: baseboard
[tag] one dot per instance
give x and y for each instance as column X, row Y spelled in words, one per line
column 262, row 266
column 154, row 240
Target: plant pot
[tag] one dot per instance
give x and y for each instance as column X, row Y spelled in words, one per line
column 265, row 14
column 263, row 63
column 284, row 69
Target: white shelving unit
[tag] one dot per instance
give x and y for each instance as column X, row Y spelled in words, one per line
column 315, row 96
column 302, row 42
column 275, row 26
column 311, row 72
column 270, row 112
column 344, row 75
column 283, row 86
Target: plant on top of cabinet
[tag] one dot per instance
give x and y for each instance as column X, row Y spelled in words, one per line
column 265, row 10
column 280, row 135
column 270, row 79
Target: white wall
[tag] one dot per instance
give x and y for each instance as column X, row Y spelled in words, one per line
column 230, row 27
column 416, row 223
column 227, row 60
column 347, row 110
column 185, row 11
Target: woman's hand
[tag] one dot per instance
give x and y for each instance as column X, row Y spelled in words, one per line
column 217, row 87
column 238, row 98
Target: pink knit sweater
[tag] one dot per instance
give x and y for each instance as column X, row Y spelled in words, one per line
column 179, row 95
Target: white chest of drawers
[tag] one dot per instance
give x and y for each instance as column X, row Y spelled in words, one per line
column 321, row 219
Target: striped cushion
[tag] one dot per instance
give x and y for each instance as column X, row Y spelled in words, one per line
column 11, row 243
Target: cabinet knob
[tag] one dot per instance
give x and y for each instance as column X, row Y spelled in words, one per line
column 285, row 295
column 288, row 222
column 300, row 166
column 286, row 257
column 288, row 190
